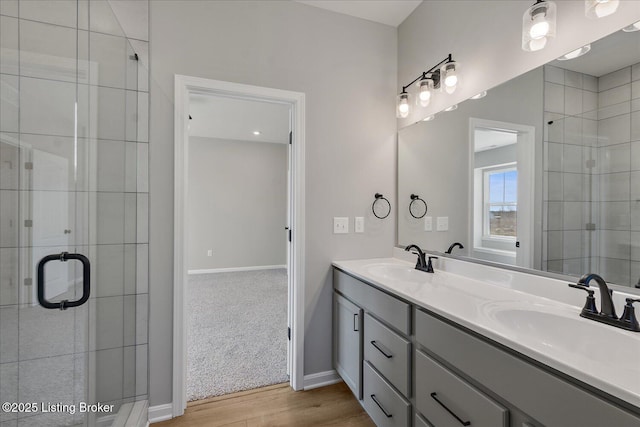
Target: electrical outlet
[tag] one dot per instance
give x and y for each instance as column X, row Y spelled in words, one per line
column 210, row 252
column 428, row 223
column 359, row 224
column 340, row 225
column 442, row 223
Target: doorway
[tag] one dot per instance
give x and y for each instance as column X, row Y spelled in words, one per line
column 501, row 159
column 237, row 253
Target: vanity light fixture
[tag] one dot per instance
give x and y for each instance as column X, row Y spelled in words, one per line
column 444, row 74
column 538, row 25
column 452, row 108
column 480, row 95
column 575, row 53
column 631, row 28
column 600, row 8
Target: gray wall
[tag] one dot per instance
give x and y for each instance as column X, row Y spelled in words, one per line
column 495, row 156
column 347, row 69
column 485, row 37
column 433, row 160
column 237, row 203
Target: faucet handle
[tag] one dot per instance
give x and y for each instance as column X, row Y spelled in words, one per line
column 629, row 315
column 590, row 304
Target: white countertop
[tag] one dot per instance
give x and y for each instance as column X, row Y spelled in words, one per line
column 544, row 329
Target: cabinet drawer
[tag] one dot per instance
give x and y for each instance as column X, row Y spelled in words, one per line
column 388, row 352
column 448, row 401
column 385, row 406
column 393, row 311
column 421, row 422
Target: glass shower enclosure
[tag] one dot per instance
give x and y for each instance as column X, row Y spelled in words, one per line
column 73, row 213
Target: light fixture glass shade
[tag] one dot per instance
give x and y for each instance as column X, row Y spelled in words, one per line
column 425, row 92
column 538, row 25
column 600, row 8
column 631, row 28
column 402, row 105
column 450, row 76
column 575, row 53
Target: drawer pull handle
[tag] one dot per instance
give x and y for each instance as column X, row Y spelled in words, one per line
column 387, row 355
column 356, row 322
column 373, row 397
column 464, row 423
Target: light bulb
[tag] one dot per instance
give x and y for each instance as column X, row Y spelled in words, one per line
column 600, row 8
column 424, row 91
column 403, row 105
column 540, row 29
column 537, row 44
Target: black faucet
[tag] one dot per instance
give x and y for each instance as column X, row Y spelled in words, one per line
column 607, row 312
column 422, row 264
column 453, row 245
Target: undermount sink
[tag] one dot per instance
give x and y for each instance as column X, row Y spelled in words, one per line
column 389, row 271
column 565, row 332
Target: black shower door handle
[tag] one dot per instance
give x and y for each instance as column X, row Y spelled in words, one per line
column 86, row 280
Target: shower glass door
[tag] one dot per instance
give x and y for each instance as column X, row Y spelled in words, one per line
column 72, row 181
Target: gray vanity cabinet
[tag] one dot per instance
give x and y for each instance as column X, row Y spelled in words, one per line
column 347, row 346
column 521, row 385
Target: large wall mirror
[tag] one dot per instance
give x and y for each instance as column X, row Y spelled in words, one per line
column 542, row 173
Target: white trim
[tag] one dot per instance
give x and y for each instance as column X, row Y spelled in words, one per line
column 160, row 413
column 234, row 269
column 525, row 158
column 321, row 379
column 184, row 86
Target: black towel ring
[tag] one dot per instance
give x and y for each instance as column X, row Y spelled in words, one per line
column 415, row 198
column 378, row 197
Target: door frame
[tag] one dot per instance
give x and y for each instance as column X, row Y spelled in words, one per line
column 526, row 148
column 184, row 86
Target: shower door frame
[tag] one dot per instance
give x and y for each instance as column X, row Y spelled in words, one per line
column 184, row 86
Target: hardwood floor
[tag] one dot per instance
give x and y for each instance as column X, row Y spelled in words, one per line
column 276, row 405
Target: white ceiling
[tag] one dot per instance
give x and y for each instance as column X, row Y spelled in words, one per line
column 488, row 139
column 605, row 56
column 389, row 12
column 237, row 119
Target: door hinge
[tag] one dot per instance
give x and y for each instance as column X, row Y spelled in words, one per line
column 290, row 138
column 28, row 166
column 289, row 333
column 290, row 236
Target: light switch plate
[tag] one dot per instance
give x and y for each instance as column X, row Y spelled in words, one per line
column 428, row 223
column 358, row 224
column 340, row 225
column 442, row 223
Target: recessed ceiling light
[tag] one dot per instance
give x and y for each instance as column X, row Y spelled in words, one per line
column 631, row 28
column 256, row 132
column 575, row 53
column 453, row 107
column 428, row 119
column 480, row 95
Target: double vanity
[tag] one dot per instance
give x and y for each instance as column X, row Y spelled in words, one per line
column 474, row 345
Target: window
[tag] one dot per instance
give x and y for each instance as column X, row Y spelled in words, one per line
column 500, row 203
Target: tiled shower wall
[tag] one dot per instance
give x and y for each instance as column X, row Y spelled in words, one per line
column 592, row 174
column 55, row 53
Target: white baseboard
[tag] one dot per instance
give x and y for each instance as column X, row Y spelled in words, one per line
column 234, row 269
column 160, row 413
column 321, row 379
